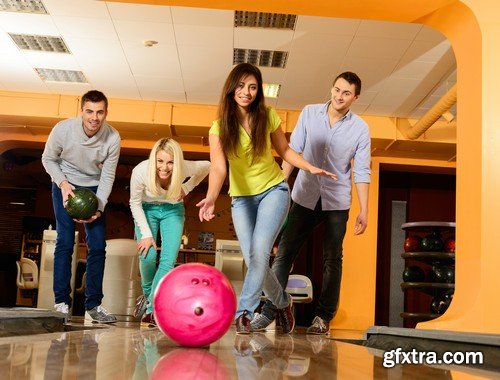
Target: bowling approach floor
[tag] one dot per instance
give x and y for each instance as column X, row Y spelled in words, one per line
column 127, row 351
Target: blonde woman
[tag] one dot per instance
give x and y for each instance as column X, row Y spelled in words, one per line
column 157, row 188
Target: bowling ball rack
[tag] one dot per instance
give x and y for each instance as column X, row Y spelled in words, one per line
column 420, row 295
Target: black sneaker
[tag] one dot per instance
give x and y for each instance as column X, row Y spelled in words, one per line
column 286, row 318
column 319, row 326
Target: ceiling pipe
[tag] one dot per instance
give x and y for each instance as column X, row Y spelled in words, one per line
column 433, row 115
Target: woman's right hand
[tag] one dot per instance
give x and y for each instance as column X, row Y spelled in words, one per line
column 144, row 245
column 207, row 207
column 317, row 171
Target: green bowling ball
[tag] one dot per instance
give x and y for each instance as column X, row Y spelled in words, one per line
column 413, row 273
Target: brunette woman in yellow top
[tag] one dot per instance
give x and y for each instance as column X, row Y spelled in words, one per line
column 244, row 134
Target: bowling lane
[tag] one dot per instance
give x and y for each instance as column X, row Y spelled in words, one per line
column 127, row 352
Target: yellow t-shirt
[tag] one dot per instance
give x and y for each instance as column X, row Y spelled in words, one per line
column 246, row 178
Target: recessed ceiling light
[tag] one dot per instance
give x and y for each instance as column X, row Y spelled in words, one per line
column 24, row 6
column 265, row 58
column 55, row 75
column 271, row 90
column 39, row 43
column 149, row 43
column 264, row 20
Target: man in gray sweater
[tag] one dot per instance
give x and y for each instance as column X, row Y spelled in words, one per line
column 82, row 152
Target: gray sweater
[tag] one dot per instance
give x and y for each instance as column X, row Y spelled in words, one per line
column 71, row 155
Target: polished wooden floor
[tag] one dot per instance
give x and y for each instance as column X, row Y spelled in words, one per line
column 126, row 351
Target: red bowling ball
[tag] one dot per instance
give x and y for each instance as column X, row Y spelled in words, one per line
column 194, row 304
column 412, row 243
column 449, row 245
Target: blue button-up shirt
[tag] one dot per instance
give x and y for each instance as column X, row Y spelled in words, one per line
column 331, row 148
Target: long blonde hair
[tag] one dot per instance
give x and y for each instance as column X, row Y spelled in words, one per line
column 173, row 148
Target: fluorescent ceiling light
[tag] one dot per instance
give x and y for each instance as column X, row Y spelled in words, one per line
column 271, row 90
column 264, row 20
column 24, row 6
column 39, row 43
column 55, row 75
column 265, row 58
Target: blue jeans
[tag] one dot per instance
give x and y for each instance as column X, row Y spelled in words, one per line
column 96, row 254
column 301, row 222
column 168, row 219
column 257, row 221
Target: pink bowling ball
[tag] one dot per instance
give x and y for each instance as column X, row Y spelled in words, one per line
column 189, row 363
column 194, row 304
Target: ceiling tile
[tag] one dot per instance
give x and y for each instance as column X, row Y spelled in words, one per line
column 425, row 51
column 158, row 84
column 25, row 23
column 196, row 35
column 327, row 25
column 371, row 47
column 140, row 13
column 51, row 60
column 135, row 31
column 152, row 61
column 202, row 16
column 430, row 35
column 97, row 9
column 86, row 27
column 388, row 30
column 263, row 39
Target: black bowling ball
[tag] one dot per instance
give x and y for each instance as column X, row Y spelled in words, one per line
column 413, row 273
column 443, row 274
column 440, row 304
column 432, row 243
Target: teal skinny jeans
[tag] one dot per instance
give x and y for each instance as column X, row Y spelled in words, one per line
column 168, row 220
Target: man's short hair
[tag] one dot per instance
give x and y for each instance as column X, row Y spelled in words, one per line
column 351, row 78
column 94, row 96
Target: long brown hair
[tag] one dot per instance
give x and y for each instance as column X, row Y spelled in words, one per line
column 228, row 113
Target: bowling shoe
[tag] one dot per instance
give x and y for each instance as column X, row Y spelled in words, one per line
column 140, row 306
column 260, row 322
column 286, row 318
column 148, row 320
column 318, row 327
column 99, row 314
column 63, row 309
column 243, row 324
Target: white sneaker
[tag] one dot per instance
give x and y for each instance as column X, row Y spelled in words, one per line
column 63, row 309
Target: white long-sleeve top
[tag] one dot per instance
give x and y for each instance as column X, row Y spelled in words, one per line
column 139, row 194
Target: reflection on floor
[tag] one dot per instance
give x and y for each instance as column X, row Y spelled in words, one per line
column 126, row 351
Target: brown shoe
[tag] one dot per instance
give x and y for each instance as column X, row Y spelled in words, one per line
column 286, row 318
column 319, row 326
column 243, row 324
column 148, row 320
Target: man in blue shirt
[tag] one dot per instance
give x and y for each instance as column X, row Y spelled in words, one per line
column 330, row 137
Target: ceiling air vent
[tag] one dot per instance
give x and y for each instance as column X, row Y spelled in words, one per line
column 39, row 43
column 24, row 6
column 264, row 58
column 264, row 20
column 55, row 75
